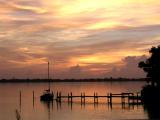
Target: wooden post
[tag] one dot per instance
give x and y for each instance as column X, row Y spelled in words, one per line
column 123, row 100
column 71, row 97
column 60, row 97
column 33, row 95
column 53, row 95
column 81, row 98
column 57, row 97
column 84, row 98
column 71, row 100
column 68, row 97
column 110, row 98
column 128, row 98
column 20, row 100
column 137, row 98
column 33, row 98
column 94, row 97
column 97, row 98
column 133, row 99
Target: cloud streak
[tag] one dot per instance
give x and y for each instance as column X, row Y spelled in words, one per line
column 96, row 35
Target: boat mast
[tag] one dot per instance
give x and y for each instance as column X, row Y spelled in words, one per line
column 48, row 78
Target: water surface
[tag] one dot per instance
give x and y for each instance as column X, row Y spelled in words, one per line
column 37, row 110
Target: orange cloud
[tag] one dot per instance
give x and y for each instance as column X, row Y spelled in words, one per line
column 31, row 61
column 70, row 32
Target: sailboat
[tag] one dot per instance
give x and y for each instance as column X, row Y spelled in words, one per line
column 47, row 95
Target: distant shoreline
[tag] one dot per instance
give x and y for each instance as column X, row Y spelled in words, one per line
column 71, row 80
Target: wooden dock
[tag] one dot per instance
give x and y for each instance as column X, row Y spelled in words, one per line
column 126, row 98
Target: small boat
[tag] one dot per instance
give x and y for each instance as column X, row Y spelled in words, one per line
column 47, row 95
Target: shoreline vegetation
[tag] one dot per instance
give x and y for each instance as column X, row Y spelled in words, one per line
column 150, row 93
column 72, row 80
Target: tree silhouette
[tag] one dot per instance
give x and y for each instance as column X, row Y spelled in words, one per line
column 152, row 66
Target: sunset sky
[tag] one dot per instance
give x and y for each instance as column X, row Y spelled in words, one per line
column 80, row 38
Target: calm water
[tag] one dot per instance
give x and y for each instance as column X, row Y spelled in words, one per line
column 37, row 110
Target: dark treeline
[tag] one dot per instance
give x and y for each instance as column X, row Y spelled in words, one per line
column 70, row 80
column 151, row 92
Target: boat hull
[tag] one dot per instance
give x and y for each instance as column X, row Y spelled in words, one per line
column 46, row 97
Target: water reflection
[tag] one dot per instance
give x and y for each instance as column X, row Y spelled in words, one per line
column 32, row 109
column 49, row 107
column 58, row 106
column 54, row 107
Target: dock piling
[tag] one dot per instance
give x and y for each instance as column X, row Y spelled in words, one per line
column 33, row 98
